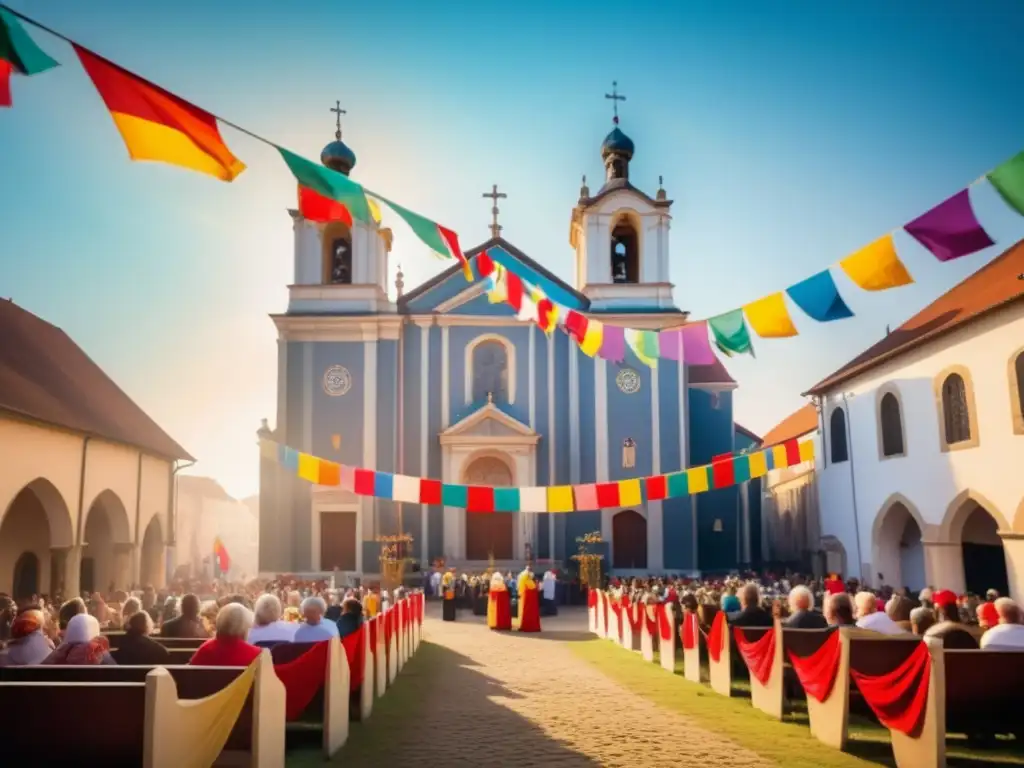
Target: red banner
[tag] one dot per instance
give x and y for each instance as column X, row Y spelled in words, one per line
column 759, row 654
column 818, row 672
column 355, row 649
column 664, row 625
column 372, row 623
column 302, row 678
column 652, row 623
column 688, row 630
column 716, row 637
column 591, row 598
column 899, row 698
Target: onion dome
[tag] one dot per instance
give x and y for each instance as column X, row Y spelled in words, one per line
column 338, row 157
column 617, row 143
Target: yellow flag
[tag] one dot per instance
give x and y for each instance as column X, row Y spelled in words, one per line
column 807, row 450
column 592, row 338
column 309, row 467
column 769, row 317
column 560, row 498
column 758, row 464
column 779, row 459
column 374, row 209
column 877, row 267
column 697, row 479
column 629, row 493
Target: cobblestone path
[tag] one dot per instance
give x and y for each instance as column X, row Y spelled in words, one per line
column 526, row 701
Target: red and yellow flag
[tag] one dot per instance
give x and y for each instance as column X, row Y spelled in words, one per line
column 157, row 125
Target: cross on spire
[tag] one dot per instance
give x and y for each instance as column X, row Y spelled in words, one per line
column 495, row 195
column 616, row 97
column 338, row 111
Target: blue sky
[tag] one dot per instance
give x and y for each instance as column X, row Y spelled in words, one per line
column 788, row 133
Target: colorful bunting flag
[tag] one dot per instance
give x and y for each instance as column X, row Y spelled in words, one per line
column 950, row 229
column 585, row 496
column 329, row 183
column 722, row 473
column 730, row 333
column 806, row 449
column 697, row 480
column 1008, row 179
column 479, row 498
column 819, row 298
column 656, row 487
column 644, row 345
column 769, row 317
column 506, row 500
column 406, row 489
column 697, row 344
column 560, row 498
column 156, row 125
column 18, row 54
column 877, row 267
column 608, row 495
column 309, row 468
column 678, row 485
column 741, row 469
column 330, row 473
column 758, row 464
column 629, row 493
column 315, row 207
column 670, row 344
column 533, row 499
column 437, row 238
column 613, row 345
column 430, row 491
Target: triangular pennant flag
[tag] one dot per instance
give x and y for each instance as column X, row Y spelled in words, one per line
column 819, row 298
column 613, row 345
column 730, row 333
column 950, row 229
column 1008, row 179
column 19, row 49
column 769, row 317
column 439, row 239
column 644, row 345
column 877, row 267
column 329, row 183
column 697, row 345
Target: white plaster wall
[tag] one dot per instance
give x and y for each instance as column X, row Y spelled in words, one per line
column 928, row 477
column 113, row 468
column 155, row 495
column 201, row 519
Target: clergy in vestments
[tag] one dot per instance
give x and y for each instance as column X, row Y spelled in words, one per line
column 549, row 589
column 448, row 596
column 499, row 606
column 529, row 602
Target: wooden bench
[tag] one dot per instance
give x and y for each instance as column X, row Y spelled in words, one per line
column 380, row 654
column 766, row 683
column 691, row 655
column 146, row 722
column 330, row 707
column 179, row 656
column 192, row 643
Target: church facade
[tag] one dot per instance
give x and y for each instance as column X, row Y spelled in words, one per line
column 444, row 384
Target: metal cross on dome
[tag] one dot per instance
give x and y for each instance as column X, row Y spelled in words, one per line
column 616, row 97
column 338, row 111
column 495, row 195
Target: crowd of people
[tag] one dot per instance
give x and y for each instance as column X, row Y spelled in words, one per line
column 235, row 620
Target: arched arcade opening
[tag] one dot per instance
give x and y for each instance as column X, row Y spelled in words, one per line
column 151, row 558
column 900, row 557
column 35, row 535
column 971, row 525
column 106, row 546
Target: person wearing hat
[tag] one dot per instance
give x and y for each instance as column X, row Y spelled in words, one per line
column 949, row 629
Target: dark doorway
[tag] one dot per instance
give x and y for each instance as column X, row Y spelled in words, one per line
column 985, row 568
column 26, row 576
column 629, row 540
column 87, row 575
column 489, row 535
column 338, row 541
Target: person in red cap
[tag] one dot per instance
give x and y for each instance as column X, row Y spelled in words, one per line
column 834, row 584
column 949, row 628
column 988, row 616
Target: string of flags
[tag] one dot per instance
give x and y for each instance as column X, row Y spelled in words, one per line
column 158, row 126
column 723, row 472
column 948, row 231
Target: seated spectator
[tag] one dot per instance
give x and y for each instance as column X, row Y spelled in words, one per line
column 188, row 623
column 921, row 620
column 1008, row 635
column 268, row 626
column 839, row 610
column 898, row 608
column 137, row 647
column 351, row 617
column 988, row 616
column 869, row 617
column 28, row 644
column 948, row 628
column 751, row 614
column 83, row 644
column 228, row 647
column 313, row 628
column 802, row 614
column 131, row 606
column 333, row 606
column 730, row 603
column 68, row 611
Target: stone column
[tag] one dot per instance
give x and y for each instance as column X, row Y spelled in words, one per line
column 123, row 565
column 59, row 570
column 72, row 564
column 944, row 565
column 1013, row 548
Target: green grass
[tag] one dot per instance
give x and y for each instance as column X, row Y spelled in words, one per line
column 788, row 742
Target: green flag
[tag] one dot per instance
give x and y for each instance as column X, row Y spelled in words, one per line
column 329, row 183
column 730, row 332
column 1008, row 179
column 18, row 49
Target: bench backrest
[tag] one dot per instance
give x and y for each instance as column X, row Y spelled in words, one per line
column 984, row 690
column 804, row 642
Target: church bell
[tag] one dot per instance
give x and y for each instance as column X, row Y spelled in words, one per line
column 628, row 453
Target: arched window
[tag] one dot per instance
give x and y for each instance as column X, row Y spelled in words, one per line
column 340, row 267
column 1018, row 391
column 490, row 371
column 837, row 440
column 956, row 416
column 892, row 425
column 625, row 246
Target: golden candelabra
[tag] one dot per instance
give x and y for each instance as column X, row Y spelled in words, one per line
column 589, row 562
column 393, row 560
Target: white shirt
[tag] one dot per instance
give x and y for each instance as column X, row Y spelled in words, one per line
column 1004, row 637
column 880, row 622
column 314, row 633
column 275, row 631
column 549, row 586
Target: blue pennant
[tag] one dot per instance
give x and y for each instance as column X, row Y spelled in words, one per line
column 819, row 298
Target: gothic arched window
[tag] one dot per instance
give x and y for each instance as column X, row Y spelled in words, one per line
column 340, row 266
column 1018, row 369
column 892, row 425
column 490, row 371
column 956, row 416
column 625, row 247
column 837, row 438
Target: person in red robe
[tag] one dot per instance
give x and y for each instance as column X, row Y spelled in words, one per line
column 499, row 606
column 834, row 585
column 529, row 603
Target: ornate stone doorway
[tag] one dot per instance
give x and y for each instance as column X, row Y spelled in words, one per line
column 489, row 535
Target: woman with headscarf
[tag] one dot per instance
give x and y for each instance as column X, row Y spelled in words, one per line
column 83, row 644
column 28, row 645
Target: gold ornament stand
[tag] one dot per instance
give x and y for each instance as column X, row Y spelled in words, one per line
column 392, row 560
column 589, row 562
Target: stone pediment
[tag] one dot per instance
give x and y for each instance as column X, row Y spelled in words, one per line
column 489, row 424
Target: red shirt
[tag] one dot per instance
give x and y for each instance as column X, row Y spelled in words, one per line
column 224, row 652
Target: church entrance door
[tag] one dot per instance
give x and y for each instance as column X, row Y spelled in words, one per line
column 338, row 541
column 629, row 540
column 489, row 535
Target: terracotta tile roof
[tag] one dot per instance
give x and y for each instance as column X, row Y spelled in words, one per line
column 795, row 425
column 996, row 284
column 45, row 376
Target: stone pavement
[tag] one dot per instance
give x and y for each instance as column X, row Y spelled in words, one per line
column 526, row 701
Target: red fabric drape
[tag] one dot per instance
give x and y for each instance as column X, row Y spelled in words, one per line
column 716, row 637
column 688, row 631
column 759, row 654
column 604, row 601
column 617, row 610
column 899, row 698
column 403, row 615
column 354, row 649
column 591, row 598
column 628, row 609
column 664, row 625
column 652, row 624
column 372, row 623
column 818, row 672
column 302, row 678
column 389, row 628
column 419, row 608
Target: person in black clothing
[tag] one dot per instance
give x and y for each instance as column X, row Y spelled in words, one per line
column 351, row 617
column 188, row 624
column 137, row 647
column 751, row 614
column 802, row 614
